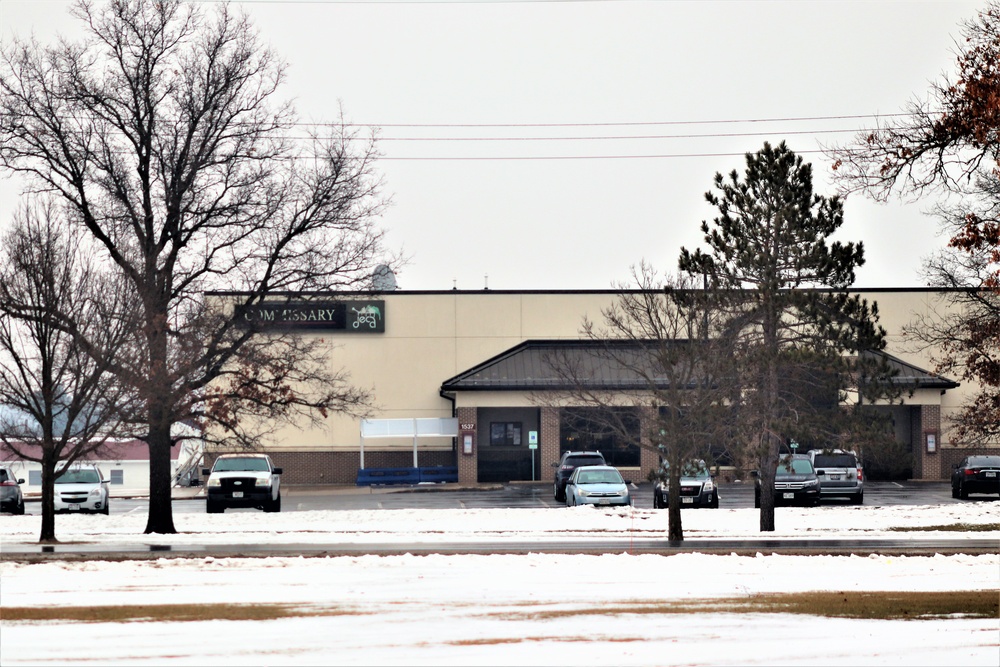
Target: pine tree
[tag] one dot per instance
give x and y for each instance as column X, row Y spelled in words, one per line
column 768, row 258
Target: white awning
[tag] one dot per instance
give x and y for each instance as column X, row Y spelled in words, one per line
column 423, row 427
column 417, row 427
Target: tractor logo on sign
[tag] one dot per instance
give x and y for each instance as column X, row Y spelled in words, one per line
column 366, row 316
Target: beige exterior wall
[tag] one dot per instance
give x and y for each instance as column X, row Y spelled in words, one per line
column 432, row 336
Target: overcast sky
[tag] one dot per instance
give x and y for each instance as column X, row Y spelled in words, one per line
column 504, row 124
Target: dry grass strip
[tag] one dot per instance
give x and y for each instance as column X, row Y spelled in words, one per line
column 846, row 604
column 166, row 612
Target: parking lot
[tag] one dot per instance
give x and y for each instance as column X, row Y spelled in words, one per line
column 519, row 495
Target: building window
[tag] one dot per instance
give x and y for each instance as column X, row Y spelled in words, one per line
column 614, row 432
column 34, row 478
column 505, row 434
column 117, row 476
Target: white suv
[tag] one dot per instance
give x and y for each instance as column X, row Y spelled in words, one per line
column 82, row 488
column 243, row 480
column 839, row 473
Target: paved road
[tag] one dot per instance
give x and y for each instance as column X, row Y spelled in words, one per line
column 598, row 545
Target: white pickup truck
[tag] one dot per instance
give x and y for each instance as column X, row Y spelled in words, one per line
column 243, row 480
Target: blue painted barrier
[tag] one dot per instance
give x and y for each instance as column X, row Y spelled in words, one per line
column 380, row 476
column 370, row 476
column 439, row 474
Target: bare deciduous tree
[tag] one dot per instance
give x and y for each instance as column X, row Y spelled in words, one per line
column 949, row 144
column 654, row 345
column 58, row 404
column 161, row 131
column 964, row 330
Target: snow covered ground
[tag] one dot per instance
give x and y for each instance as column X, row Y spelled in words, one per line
column 539, row 609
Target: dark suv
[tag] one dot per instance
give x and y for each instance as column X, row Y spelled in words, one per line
column 698, row 488
column 569, row 462
column 11, row 498
column 795, row 482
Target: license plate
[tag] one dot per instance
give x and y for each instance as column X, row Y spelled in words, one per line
column 788, row 496
column 834, row 476
column 991, row 474
column 237, row 494
column 74, row 507
column 604, row 501
column 689, row 501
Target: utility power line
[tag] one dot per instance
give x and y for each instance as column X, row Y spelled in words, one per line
column 730, row 121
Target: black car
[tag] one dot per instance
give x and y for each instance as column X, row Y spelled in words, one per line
column 976, row 474
column 698, row 488
column 11, row 498
column 569, row 462
column 795, row 482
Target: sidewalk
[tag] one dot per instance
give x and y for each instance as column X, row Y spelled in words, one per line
column 187, row 492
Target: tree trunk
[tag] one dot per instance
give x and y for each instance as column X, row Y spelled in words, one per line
column 675, row 532
column 161, row 518
column 766, row 471
column 48, row 532
column 769, row 441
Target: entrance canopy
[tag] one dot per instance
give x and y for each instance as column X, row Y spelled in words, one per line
column 418, row 427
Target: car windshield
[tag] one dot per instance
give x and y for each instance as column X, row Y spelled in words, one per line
column 577, row 461
column 599, row 477
column 795, row 467
column 79, row 476
column 690, row 470
column 4, row 476
column 253, row 464
column 984, row 461
column 836, row 461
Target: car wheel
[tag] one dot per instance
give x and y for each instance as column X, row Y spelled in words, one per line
column 107, row 509
column 214, row 508
column 20, row 507
column 274, row 505
column 962, row 493
column 858, row 498
column 954, row 490
column 656, row 501
column 715, row 503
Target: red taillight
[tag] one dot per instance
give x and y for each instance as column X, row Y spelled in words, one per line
column 972, row 471
column 860, row 478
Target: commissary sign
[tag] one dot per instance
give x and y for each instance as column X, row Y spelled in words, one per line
column 346, row 316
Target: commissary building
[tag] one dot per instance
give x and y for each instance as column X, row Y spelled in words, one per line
column 458, row 379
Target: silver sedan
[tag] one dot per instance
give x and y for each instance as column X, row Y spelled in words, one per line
column 597, row 485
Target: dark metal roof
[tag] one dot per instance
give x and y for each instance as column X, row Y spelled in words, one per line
column 908, row 376
column 555, row 365
column 565, row 364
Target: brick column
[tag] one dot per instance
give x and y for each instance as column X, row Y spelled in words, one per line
column 916, row 444
column 468, row 466
column 930, row 422
column 548, row 442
